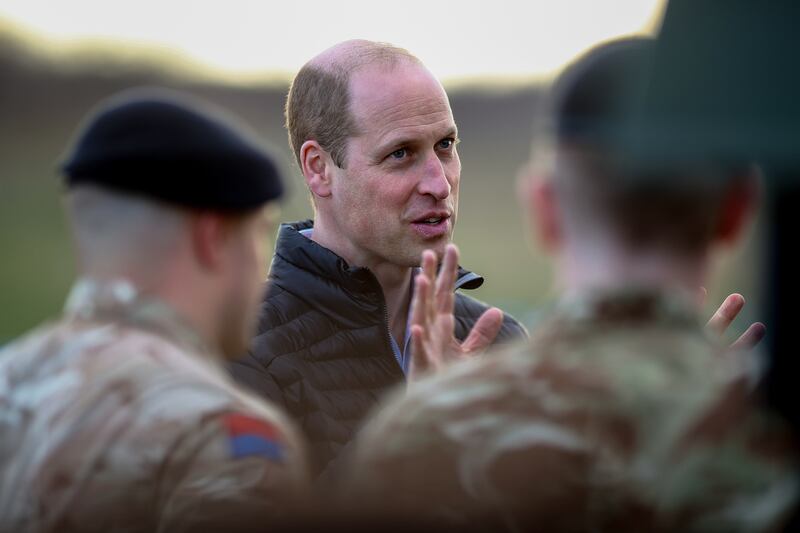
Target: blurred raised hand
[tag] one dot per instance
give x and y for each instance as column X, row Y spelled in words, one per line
column 724, row 317
column 433, row 342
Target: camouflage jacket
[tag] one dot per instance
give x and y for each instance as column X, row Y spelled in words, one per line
column 118, row 418
column 620, row 414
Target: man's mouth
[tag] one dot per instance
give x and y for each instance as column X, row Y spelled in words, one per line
column 432, row 217
column 432, row 225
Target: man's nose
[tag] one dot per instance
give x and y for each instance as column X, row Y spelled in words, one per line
column 434, row 179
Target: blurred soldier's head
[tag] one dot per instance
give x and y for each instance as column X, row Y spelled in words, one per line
column 175, row 197
column 374, row 136
column 610, row 219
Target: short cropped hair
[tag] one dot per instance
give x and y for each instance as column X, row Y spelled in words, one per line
column 112, row 229
column 675, row 209
column 318, row 103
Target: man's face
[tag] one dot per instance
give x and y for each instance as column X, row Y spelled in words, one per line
column 398, row 194
column 247, row 249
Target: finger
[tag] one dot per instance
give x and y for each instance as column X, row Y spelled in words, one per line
column 483, row 332
column 445, row 284
column 429, row 270
column 419, row 359
column 430, row 303
column 750, row 338
column 447, row 274
column 726, row 313
column 429, row 264
column 419, row 301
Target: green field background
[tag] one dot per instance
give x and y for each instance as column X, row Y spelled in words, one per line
column 41, row 102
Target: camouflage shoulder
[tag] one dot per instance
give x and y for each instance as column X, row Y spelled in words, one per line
column 238, row 465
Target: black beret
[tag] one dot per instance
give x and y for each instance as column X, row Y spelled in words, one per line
column 594, row 97
column 171, row 147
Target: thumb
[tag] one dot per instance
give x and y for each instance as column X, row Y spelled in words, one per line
column 484, row 331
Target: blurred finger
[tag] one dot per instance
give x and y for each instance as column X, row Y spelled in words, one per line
column 429, row 272
column 445, row 286
column 447, row 274
column 430, row 298
column 484, row 331
column 419, row 301
column 419, row 359
column 726, row 314
column 751, row 337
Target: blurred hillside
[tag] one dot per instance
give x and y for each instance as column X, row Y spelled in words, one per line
column 42, row 99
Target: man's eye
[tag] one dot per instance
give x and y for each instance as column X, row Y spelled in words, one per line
column 398, row 154
column 446, row 144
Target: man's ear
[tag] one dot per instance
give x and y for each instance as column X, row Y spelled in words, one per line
column 738, row 206
column 208, row 234
column 544, row 211
column 315, row 163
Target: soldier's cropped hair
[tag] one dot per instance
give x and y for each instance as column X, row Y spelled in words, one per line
column 675, row 204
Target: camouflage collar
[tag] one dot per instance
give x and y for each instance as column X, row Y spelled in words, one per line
column 120, row 301
column 630, row 304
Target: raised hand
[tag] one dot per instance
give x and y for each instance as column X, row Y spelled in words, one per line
column 725, row 315
column 433, row 342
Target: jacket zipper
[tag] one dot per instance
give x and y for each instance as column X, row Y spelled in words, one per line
column 397, row 354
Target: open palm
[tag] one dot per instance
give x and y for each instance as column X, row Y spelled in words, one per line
column 433, row 341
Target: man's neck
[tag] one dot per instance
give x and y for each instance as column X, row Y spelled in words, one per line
column 395, row 280
column 396, row 284
column 190, row 306
column 586, row 267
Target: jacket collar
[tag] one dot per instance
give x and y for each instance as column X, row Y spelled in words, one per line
column 303, row 253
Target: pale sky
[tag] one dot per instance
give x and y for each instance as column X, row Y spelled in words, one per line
column 247, row 38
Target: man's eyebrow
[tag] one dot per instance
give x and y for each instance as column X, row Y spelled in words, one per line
column 451, row 132
column 410, row 141
column 397, row 143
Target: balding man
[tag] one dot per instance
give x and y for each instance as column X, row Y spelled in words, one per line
column 119, row 416
column 373, row 134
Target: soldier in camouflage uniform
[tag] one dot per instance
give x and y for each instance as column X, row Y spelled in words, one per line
column 119, row 416
column 623, row 413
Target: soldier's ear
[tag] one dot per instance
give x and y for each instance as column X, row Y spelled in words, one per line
column 208, row 234
column 544, row 214
column 738, row 205
column 316, row 165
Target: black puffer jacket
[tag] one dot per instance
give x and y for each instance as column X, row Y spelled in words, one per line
column 323, row 351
